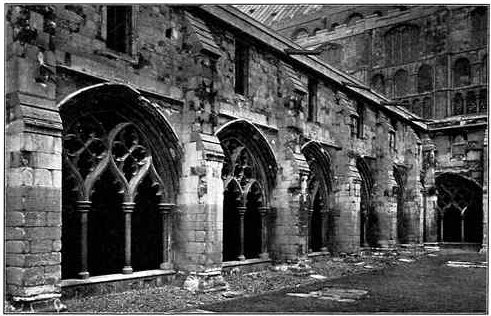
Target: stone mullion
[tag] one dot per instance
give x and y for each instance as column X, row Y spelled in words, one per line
column 165, row 210
column 263, row 211
column 241, row 210
column 83, row 207
column 324, row 231
column 309, row 229
column 128, row 208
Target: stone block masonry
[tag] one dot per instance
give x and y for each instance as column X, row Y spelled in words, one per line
column 135, row 151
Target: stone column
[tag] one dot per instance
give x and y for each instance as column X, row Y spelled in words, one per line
column 324, row 231
column 83, row 207
column 263, row 211
column 128, row 208
column 241, row 210
column 364, row 224
column 440, row 224
column 462, row 228
column 309, row 229
column 424, row 229
column 165, row 211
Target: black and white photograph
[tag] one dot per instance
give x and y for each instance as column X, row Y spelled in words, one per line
column 249, row 158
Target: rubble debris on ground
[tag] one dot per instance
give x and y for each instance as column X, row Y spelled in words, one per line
column 175, row 297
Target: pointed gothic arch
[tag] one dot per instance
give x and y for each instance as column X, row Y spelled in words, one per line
column 121, row 162
column 319, row 216
column 249, row 171
column 368, row 220
column 461, row 210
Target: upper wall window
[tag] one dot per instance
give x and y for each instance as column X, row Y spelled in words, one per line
column 241, row 68
column 462, row 73
column 479, row 26
column 332, row 53
column 401, row 44
column 427, row 108
column 400, row 83
column 458, row 104
column 378, row 83
column 312, row 106
column 119, row 28
column 425, row 79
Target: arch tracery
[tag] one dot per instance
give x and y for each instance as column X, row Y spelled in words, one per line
column 109, row 136
column 249, row 174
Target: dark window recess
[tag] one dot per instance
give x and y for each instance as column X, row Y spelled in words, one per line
column 471, row 106
column 353, row 126
column 241, row 68
column 483, row 101
column 425, row 79
column 427, row 108
column 462, row 73
column 417, row 107
column 458, row 104
column 361, row 112
column 119, row 28
column 312, row 109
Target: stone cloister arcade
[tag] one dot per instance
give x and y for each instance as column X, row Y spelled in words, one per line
column 121, row 169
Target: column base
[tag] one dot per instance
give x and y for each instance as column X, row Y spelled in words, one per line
column 83, row 275
column 241, row 258
column 127, row 270
column 43, row 305
column 324, row 249
column 264, row 256
column 166, row 266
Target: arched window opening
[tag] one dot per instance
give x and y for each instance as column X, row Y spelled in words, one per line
column 462, row 73
column 351, row 20
column 378, row 83
column 332, row 53
column 483, row 101
column 484, row 70
column 402, row 44
column 458, row 104
column 479, row 25
column 425, row 79
column 401, row 86
column 460, row 217
column 249, row 173
column 417, row 107
column 427, row 108
column 471, row 105
column 115, row 185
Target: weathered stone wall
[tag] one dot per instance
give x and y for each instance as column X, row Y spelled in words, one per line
column 191, row 82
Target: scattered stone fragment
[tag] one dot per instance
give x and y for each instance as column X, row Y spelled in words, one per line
column 369, row 267
column 318, row 276
column 338, row 295
column 230, row 294
column 405, row 260
column 465, row 264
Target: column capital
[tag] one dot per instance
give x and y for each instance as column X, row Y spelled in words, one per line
column 83, row 206
column 166, row 207
column 263, row 210
column 241, row 209
column 128, row 207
